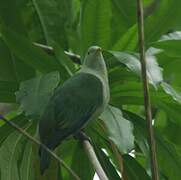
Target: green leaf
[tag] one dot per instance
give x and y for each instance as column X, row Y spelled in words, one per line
column 68, row 68
column 106, row 164
column 24, row 50
column 133, row 170
column 128, row 41
column 154, row 72
column 7, row 91
column 127, row 10
column 170, row 43
column 169, row 15
column 169, row 160
column 12, row 68
column 10, row 154
column 140, row 132
column 171, row 36
column 120, row 130
column 7, row 69
column 95, row 23
column 34, row 94
column 10, row 15
column 54, row 16
column 5, row 129
column 81, row 164
column 26, row 169
column 171, row 91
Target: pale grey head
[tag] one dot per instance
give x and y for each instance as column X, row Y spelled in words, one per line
column 94, row 60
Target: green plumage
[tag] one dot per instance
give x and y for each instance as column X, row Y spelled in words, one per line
column 80, row 99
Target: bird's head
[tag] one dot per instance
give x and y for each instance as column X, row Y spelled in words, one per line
column 94, row 50
column 94, row 60
column 93, row 56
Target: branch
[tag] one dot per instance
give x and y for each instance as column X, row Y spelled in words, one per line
column 42, row 145
column 74, row 57
column 93, row 158
column 154, row 166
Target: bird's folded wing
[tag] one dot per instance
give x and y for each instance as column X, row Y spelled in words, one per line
column 72, row 106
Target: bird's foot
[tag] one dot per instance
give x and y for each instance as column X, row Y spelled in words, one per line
column 82, row 136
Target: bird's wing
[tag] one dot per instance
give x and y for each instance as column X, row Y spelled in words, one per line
column 71, row 106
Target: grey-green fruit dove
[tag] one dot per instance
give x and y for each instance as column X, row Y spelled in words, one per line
column 80, row 99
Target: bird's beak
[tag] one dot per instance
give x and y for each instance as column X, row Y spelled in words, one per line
column 99, row 50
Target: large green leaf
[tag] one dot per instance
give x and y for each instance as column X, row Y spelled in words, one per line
column 34, row 94
column 67, row 66
column 120, row 130
column 7, row 69
column 170, row 43
column 169, row 15
column 127, row 42
column 81, row 164
column 24, row 50
column 10, row 155
column 140, row 132
column 169, row 160
column 54, row 16
column 12, row 68
column 7, row 91
column 127, row 10
column 106, row 164
column 26, row 169
column 171, row 91
column 132, row 61
column 5, row 129
column 10, row 15
column 133, row 170
column 95, row 23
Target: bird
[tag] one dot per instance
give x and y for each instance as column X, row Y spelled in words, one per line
column 79, row 100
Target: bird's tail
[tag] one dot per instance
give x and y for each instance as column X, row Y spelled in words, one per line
column 44, row 160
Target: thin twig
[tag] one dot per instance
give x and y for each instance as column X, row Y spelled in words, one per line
column 93, row 158
column 42, row 145
column 74, row 57
column 154, row 166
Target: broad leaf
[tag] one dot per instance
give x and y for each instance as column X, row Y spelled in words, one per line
column 81, row 164
column 133, row 170
column 170, row 43
column 34, row 94
column 120, row 129
column 7, row 91
column 155, row 27
column 169, row 160
column 5, row 129
column 10, row 154
column 171, row 91
column 154, row 72
column 26, row 169
column 106, row 164
column 53, row 16
column 24, row 50
column 95, row 23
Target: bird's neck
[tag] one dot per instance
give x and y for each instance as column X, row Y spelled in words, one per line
column 97, row 66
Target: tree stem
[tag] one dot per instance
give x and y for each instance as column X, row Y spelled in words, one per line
column 42, row 145
column 93, row 158
column 140, row 19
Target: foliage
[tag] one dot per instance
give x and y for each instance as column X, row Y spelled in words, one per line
column 29, row 75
